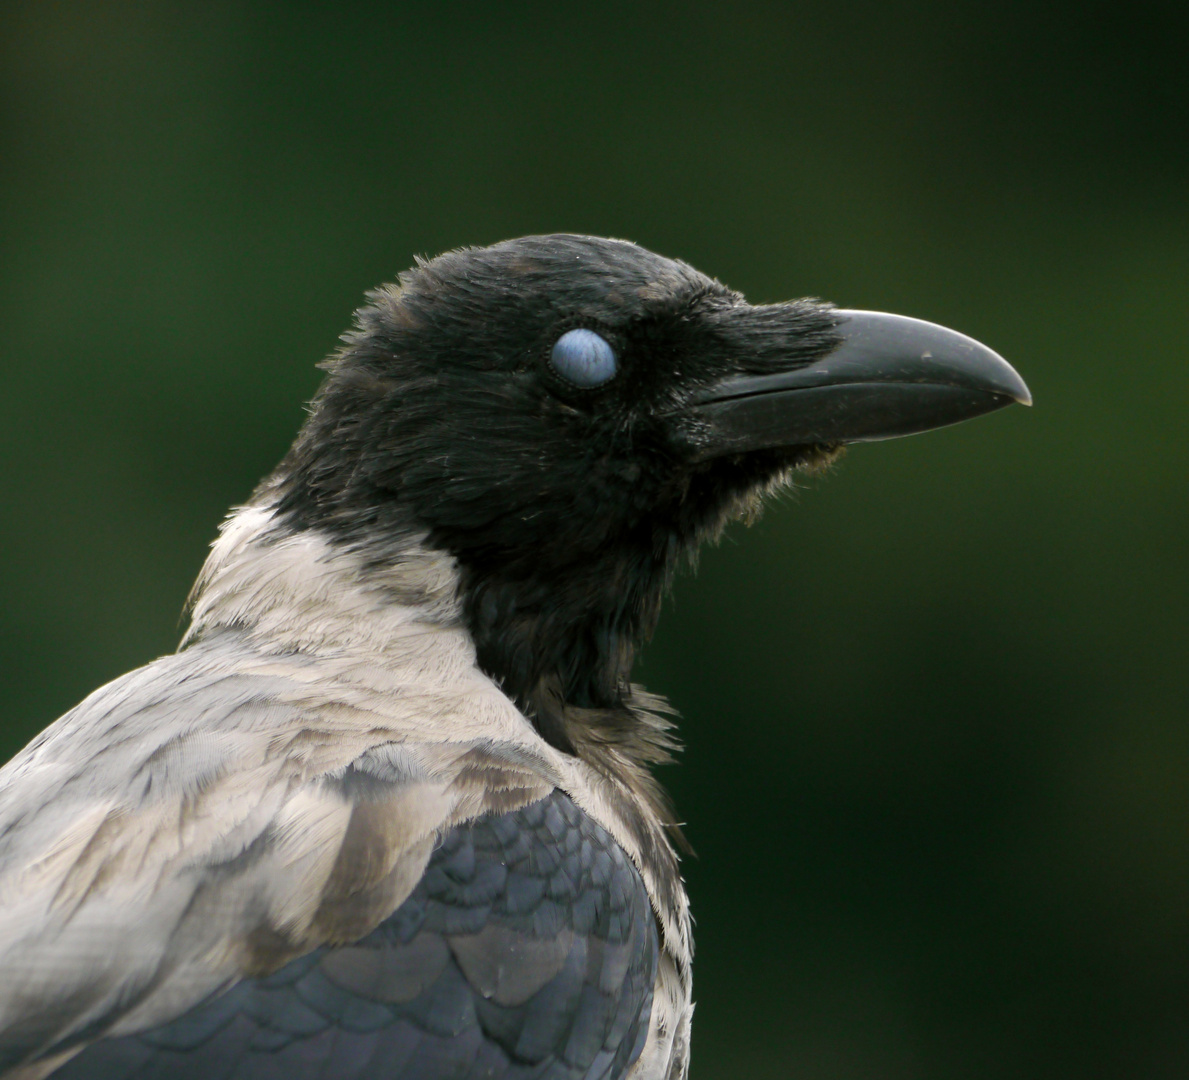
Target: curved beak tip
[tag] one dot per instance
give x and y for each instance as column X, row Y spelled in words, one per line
column 1000, row 380
column 1012, row 385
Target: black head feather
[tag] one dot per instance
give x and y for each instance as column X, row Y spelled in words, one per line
column 568, row 509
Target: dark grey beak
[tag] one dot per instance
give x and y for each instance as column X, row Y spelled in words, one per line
column 889, row 376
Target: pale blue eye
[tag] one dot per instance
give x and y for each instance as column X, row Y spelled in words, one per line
column 584, row 358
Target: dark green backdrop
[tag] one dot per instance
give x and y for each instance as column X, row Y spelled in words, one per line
column 935, row 704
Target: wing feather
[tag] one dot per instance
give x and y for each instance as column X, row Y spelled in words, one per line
column 201, row 820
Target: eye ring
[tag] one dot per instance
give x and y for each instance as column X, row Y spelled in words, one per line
column 584, row 358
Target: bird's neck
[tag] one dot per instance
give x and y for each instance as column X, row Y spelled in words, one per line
column 295, row 591
column 559, row 644
column 562, row 637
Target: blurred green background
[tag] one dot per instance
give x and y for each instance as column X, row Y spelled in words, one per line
column 935, row 705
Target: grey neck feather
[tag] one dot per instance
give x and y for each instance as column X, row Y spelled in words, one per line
column 294, row 591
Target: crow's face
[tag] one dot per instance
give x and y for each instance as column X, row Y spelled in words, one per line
column 454, row 401
column 567, row 416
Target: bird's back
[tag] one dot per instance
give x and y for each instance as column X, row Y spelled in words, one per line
column 258, row 852
column 527, row 949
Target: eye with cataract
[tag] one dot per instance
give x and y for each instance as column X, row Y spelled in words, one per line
column 584, row 358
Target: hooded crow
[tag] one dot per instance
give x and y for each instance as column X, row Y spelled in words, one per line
column 388, row 810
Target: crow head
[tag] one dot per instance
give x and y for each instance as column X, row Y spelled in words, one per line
column 569, row 417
